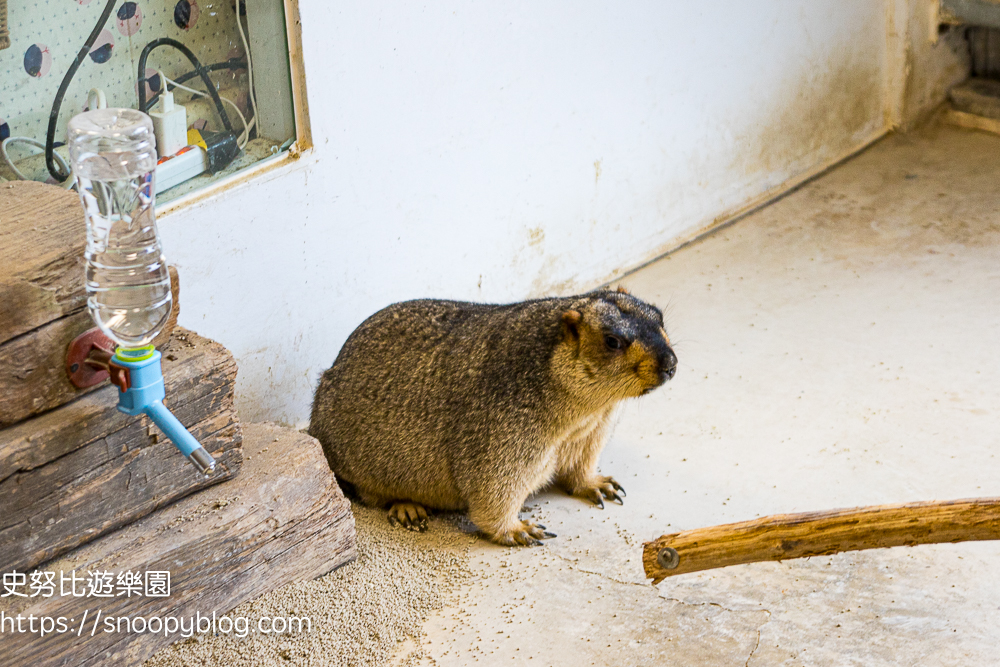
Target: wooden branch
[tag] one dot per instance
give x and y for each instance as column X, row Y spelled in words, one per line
column 282, row 520
column 84, row 469
column 786, row 536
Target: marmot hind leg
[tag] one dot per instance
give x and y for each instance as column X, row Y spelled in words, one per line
column 405, row 513
column 498, row 518
column 409, row 515
column 371, row 499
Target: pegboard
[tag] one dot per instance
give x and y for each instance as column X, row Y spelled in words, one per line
column 4, row 34
column 46, row 35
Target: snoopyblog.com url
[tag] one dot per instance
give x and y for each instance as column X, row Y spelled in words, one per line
column 92, row 622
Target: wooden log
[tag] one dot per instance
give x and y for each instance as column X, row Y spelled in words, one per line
column 84, row 469
column 42, row 297
column 786, row 536
column 282, row 520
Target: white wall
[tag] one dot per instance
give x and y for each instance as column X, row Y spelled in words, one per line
column 495, row 151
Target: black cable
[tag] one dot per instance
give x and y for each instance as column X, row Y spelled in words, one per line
column 234, row 63
column 50, row 135
column 198, row 68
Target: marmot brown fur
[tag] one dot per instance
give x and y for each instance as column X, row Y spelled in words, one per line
column 457, row 406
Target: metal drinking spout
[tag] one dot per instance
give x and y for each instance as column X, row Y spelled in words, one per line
column 139, row 378
column 180, row 436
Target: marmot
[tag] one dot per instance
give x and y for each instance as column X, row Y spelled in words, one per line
column 468, row 406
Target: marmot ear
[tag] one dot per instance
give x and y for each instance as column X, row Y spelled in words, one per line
column 621, row 289
column 571, row 320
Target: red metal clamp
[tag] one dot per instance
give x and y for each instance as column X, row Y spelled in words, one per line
column 88, row 359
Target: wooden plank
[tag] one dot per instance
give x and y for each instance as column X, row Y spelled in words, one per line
column 42, row 237
column 282, row 520
column 33, row 366
column 84, row 469
column 42, row 297
column 33, row 369
column 787, row 536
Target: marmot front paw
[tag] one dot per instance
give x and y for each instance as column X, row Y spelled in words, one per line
column 527, row 534
column 598, row 489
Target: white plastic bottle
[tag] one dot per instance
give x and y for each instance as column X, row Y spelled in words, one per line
column 114, row 159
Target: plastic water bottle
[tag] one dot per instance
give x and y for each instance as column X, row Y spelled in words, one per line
column 113, row 152
column 128, row 287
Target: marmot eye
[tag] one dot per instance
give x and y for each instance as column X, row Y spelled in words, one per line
column 614, row 342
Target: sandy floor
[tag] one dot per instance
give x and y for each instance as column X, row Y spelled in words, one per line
column 837, row 348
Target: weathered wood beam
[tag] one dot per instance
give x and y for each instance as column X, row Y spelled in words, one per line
column 33, row 366
column 84, row 469
column 282, row 520
column 42, row 237
column 42, row 297
column 787, row 536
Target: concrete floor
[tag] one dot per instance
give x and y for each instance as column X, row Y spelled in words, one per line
column 838, row 348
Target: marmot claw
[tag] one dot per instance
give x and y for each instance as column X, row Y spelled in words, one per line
column 601, row 489
column 530, row 535
column 409, row 515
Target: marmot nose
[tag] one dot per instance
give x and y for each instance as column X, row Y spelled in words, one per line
column 668, row 366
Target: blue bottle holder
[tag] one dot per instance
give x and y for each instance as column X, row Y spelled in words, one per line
column 139, row 378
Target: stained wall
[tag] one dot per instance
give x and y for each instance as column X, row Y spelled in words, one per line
column 498, row 151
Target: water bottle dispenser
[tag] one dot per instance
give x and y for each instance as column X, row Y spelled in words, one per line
column 113, row 154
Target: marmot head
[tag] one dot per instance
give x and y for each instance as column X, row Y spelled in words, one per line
column 616, row 346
